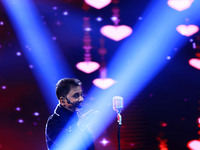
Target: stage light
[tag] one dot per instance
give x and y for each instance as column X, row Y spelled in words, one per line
column 20, row 121
column 3, row 87
column 1, row 23
column 54, row 7
column 99, row 19
column 88, row 29
column 36, row 113
column 168, row 57
column 31, row 66
column 65, row 13
column 18, row 109
column 104, row 142
column 18, row 53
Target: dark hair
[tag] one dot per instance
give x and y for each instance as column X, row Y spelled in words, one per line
column 64, row 85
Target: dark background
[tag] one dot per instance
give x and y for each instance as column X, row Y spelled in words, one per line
column 172, row 98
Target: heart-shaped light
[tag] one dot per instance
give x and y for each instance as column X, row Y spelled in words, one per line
column 98, row 4
column 180, row 5
column 195, row 62
column 103, row 83
column 194, row 144
column 116, row 33
column 187, row 30
column 88, row 66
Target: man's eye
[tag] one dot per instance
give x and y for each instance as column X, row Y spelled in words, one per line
column 77, row 95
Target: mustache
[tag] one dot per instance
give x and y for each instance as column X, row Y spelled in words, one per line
column 78, row 104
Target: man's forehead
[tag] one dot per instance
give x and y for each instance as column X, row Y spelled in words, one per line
column 76, row 89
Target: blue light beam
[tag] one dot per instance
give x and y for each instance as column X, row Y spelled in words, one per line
column 41, row 52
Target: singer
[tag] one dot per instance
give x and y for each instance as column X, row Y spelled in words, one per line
column 70, row 98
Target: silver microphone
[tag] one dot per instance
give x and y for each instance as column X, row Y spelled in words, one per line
column 118, row 103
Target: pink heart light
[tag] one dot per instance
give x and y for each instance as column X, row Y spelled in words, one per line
column 194, row 144
column 180, row 5
column 87, row 66
column 98, row 4
column 187, row 30
column 116, row 33
column 103, row 83
column 195, row 62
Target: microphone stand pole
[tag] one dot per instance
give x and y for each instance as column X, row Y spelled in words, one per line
column 119, row 120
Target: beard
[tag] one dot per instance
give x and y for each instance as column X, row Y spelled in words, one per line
column 77, row 104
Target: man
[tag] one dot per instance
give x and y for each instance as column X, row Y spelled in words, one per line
column 67, row 119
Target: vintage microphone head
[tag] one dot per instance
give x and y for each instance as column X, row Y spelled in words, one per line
column 118, row 103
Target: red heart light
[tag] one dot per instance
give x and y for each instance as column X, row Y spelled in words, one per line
column 194, row 144
column 187, row 30
column 87, row 66
column 195, row 62
column 116, row 33
column 180, row 5
column 98, row 4
column 103, row 83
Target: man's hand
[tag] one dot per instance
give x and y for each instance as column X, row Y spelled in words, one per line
column 86, row 118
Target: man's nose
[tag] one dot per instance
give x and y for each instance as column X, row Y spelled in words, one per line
column 81, row 98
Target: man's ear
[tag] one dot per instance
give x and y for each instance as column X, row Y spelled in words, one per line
column 62, row 100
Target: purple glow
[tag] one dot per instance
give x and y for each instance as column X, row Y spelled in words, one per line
column 9, row 44
column 28, row 47
column 114, row 18
column 65, row 13
column 0, row 46
column 191, row 40
column 1, row 23
column 194, row 45
column 35, row 123
column 3, row 87
column 36, row 113
column 18, row 109
column 140, row 18
column 18, row 53
column 55, row 8
column 58, row 23
column 54, row 38
column 104, row 142
column 88, row 29
column 99, row 19
column 132, row 144
column 168, row 57
column 31, row 66
column 20, row 121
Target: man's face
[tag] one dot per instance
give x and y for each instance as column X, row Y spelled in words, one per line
column 75, row 96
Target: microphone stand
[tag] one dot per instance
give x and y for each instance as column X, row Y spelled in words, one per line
column 119, row 120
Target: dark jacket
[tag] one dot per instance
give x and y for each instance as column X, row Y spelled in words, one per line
column 63, row 123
